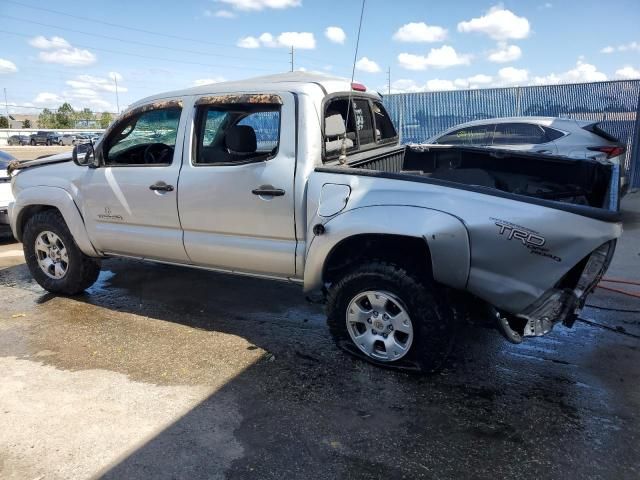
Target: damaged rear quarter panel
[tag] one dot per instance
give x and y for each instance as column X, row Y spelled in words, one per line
column 518, row 250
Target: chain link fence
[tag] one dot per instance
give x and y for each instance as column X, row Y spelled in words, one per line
column 419, row 116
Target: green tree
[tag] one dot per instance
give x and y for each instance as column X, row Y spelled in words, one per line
column 46, row 119
column 26, row 123
column 4, row 123
column 64, row 116
column 105, row 119
column 85, row 115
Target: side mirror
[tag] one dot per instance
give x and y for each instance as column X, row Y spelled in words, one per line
column 84, row 155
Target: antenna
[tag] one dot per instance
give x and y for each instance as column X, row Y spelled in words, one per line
column 343, row 149
column 291, row 53
column 6, row 106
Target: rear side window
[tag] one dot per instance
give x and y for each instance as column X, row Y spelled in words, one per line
column 236, row 134
column 364, row 122
column 552, row 134
column 477, row 135
column 385, row 130
column 518, row 134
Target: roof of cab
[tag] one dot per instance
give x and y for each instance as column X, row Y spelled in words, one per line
column 291, row 81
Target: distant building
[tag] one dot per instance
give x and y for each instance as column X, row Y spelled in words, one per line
column 16, row 120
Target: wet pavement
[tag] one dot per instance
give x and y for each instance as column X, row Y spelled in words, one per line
column 165, row 372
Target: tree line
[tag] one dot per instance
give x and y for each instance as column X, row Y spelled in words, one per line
column 64, row 117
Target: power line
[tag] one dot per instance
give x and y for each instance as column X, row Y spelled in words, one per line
column 208, row 65
column 117, row 25
column 136, row 42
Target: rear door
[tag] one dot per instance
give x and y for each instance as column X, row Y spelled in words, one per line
column 236, row 186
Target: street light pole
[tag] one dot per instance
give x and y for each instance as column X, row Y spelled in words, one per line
column 115, row 80
column 6, row 106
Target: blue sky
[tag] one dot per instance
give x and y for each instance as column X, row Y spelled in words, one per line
column 73, row 50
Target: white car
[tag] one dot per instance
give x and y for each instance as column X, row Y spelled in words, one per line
column 547, row 135
column 68, row 139
column 6, row 196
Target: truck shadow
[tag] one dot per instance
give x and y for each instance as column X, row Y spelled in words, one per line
column 305, row 409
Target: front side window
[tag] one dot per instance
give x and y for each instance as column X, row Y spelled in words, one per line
column 148, row 138
column 518, row 134
column 236, row 133
column 474, row 136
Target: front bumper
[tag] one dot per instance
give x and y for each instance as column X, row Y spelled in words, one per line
column 563, row 302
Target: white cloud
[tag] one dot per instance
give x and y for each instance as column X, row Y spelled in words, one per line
column 411, row 86
column 505, row 53
column 443, row 57
column 625, row 47
column 582, row 72
column 420, row 32
column 511, row 75
column 475, row 81
column 248, row 42
column 436, row 84
column 219, row 13
column 499, row 24
column 69, row 57
column 97, row 84
column 256, row 5
column 207, row 81
column 335, row 34
column 58, row 50
column 7, row 66
column 627, row 72
column 44, row 43
column 299, row 40
column 47, row 98
column 367, row 65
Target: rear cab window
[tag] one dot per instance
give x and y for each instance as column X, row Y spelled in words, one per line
column 362, row 125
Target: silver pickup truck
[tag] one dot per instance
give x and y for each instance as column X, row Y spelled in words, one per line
column 301, row 178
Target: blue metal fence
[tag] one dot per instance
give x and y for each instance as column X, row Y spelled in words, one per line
column 422, row 115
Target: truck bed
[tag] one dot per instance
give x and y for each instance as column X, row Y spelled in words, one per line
column 535, row 176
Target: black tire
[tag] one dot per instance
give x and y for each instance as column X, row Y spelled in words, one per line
column 433, row 320
column 60, row 143
column 33, row 143
column 82, row 270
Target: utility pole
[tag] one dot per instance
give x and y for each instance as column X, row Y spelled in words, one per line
column 389, row 80
column 115, row 80
column 6, row 106
column 291, row 53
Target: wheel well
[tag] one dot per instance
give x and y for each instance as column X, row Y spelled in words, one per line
column 27, row 213
column 411, row 253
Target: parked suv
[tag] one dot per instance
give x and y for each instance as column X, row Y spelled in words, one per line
column 45, row 138
column 548, row 135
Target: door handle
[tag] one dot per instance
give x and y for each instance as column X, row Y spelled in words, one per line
column 161, row 187
column 268, row 191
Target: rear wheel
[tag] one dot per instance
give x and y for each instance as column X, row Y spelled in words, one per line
column 60, row 143
column 53, row 257
column 390, row 317
column 33, row 142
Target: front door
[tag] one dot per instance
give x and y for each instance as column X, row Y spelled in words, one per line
column 130, row 203
column 236, row 196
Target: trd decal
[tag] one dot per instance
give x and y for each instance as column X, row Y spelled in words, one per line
column 107, row 215
column 531, row 239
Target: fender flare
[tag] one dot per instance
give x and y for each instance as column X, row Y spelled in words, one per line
column 446, row 236
column 60, row 199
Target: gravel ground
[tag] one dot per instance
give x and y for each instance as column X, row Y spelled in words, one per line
column 165, row 372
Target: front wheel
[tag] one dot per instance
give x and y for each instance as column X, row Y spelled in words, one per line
column 53, row 257
column 390, row 317
column 60, row 143
column 33, row 143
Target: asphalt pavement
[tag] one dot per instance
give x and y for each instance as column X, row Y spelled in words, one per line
column 167, row 372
